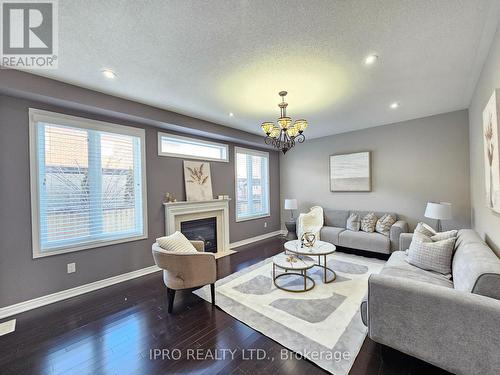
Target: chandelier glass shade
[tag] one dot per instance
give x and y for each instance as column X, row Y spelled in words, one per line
column 284, row 134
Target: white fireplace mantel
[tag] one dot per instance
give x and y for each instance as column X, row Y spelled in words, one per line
column 177, row 212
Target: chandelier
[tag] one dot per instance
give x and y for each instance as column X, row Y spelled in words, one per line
column 284, row 135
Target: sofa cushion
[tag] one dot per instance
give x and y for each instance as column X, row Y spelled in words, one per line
column 398, row 266
column 365, row 241
column 425, row 229
column 368, row 222
column 429, row 255
column 353, row 222
column 444, row 235
column 377, row 213
column 331, row 234
column 475, row 266
column 467, row 236
column 384, row 224
column 336, row 218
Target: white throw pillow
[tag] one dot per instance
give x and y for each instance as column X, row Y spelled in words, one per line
column 368, row 222
column 353, row 222
column 429, row 255
column 384, row 224
column 176, row 242
column 444, row 235
column 425, row 229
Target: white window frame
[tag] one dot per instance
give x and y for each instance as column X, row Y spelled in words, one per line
column 36, row 116
column 197, row 140
column 256, row 153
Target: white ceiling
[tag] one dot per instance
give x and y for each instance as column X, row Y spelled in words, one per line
column 209, row 58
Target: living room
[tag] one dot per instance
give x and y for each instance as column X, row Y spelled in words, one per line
column 287, row 187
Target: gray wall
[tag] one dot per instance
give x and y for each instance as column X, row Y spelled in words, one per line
column 484, row 221
column 22, row 278
column 412, row 162
column 21, row 84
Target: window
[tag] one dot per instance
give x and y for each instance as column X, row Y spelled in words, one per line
column 191, row 148
column 88, row 185
column 252, row 184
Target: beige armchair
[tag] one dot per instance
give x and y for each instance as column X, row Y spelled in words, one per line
column 186, row 270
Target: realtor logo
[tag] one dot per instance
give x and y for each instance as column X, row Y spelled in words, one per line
column 29, row 34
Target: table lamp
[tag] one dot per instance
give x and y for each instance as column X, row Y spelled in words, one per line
column 291, row 204
column 291, row 226
column 439, row 211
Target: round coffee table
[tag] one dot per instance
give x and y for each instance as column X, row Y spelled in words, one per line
column 319, row 249
column 298, row 264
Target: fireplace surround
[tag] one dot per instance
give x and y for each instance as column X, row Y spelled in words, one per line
column 178, row 212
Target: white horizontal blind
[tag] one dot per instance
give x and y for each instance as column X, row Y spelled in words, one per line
column 252, row 184
column 89, row 186
column 179, row 146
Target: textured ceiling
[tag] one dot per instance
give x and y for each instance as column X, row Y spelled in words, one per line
column 209, row 58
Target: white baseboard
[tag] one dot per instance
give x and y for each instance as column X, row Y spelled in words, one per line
column 256, row 238
column 73, row 292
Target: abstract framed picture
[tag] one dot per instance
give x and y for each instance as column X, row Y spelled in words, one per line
column 350, row 172
column 198, row 181
column 491, row 152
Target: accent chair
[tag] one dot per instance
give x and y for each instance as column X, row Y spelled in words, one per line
column 184, row 270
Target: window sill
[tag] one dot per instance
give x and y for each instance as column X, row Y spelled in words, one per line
column 37, row 253
column 252, row 218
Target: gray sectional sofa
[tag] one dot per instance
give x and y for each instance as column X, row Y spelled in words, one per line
column 335, row 232
column 451, row 323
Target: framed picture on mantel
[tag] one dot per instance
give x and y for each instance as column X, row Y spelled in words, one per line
column 350, row 172
column 198, row 181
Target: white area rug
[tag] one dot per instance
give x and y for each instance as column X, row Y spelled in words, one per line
column 323, row 324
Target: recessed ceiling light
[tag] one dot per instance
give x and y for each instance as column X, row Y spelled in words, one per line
column 394, row 105
column 231, row 114
column 108, row 73
column 371, row 59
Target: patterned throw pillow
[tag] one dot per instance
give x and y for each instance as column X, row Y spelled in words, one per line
column 444, row 235
column 176, row 242
column 432, row 256
column 353, row 222
column 368, row 223
column 425, row 229
column 384, row 224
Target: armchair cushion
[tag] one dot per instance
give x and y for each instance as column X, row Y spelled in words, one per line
column 176, row 242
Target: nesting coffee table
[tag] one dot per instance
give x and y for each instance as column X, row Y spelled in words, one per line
column 320, row 249
column 298, row 265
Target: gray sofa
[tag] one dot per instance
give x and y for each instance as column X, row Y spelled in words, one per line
column 334, row 231
column 451, row 323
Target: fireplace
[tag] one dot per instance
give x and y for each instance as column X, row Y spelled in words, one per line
column 202, row 230
column 217, row 210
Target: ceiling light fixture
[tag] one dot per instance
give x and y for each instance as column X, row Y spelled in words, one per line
column 394, row 105
column 108, row 73
column 231, row 114
column 371, row 59
column 284, row 135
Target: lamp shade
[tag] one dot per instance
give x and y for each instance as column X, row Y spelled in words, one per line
column 441, row 210
column 290, row 204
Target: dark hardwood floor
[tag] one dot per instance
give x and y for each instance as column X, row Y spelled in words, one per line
column 113, row 330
